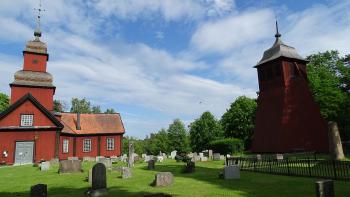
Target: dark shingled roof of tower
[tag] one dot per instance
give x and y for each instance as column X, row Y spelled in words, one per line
column 279, row 49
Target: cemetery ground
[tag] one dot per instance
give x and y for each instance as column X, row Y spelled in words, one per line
column 17, row 180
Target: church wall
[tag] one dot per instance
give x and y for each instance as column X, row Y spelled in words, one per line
column 34, row 62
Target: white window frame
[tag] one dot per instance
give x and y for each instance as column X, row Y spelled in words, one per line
column 27, row 120
column 110, row 143
column 86, row 145
column 65, row 144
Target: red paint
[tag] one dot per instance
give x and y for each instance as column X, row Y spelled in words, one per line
column 287, row 117
column 117, row 145
column 44, row 144
column 34, row 62
column 64, row 156
column 14, row 118
column 43, row 95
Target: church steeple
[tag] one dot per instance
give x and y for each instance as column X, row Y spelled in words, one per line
column 37, row 31
column 277, row 35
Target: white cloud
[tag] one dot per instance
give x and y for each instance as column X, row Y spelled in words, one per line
column 233, row 32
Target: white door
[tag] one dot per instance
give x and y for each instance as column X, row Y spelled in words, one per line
column 24, row 153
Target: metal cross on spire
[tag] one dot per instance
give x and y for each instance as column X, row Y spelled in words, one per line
column 37, row 32
column 277, row 35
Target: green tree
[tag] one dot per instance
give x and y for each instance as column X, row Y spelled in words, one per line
column 138, row 145
column 4, row 101
column 239, row 120
column 80, row 106
column 178, row 138
column 203, row 131
column 59, row 106
column 328, row 76
column 96, row 109
column 110, row 111
column 157, row 142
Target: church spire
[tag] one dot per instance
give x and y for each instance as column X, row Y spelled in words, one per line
column 277, row 35
column 37, row 32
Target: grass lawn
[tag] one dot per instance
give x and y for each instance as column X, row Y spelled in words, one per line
column 16, row 181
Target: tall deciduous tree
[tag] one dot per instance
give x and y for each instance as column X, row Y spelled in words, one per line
column 80, row 106
column 328, row 76
column 59, row 106
column 239, row 120
column 178, row 137
column 157, row 142
column 203, row 131
column 4, row 101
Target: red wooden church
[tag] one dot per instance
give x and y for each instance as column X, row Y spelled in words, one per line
column 287, row 117
column 30, row 131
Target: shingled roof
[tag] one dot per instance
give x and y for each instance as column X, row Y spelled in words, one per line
column 92, row 124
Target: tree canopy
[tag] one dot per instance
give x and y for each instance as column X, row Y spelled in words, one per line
column 329, row 81
column 178, row 137
column 4, row 101
column 204, row 130
column 157, row 142
column 239, row 120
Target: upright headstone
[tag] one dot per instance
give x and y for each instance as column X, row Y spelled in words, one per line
column 210, row 154
column 45, row 166
column 163, row 179
column 150, row 164
column 54, row 161
column 160, row 159
column 126, row 173
column 39, row 190
column 231, row 172
column 216, row 156
column 279, row 157
column 131, row 154
column 90, row 176
column 258, row 157
column 143, row 155
column 69, row 166
column 204, row 158
column 173, row 154
column 99, row 180
column 222, row 157
column 106, row 161
column 335, row 145
column 324, row 188
column 201, row 154
column 190, row 167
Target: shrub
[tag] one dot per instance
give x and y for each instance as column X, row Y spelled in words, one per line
column 182, row 157
column 227, row 145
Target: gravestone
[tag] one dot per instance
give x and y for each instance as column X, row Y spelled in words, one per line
column 143, row 155
column 39, row 190
column 45, row 166
column 324, row 188
column 216, row 156
column 89, row 159
column 106, row 161
column 150, row 164
column 163, row 179
column 204, row 158
column 149, row 157
column 231, row 172
column 222, row 157
column 160, row 159
column 69, row 166
column 115, row 159
column 201, row 154
column 335, row 145
column 258, row 157
column 164, row 156
column 279, row 157
column 190, row 155
column 173, row 154
column 126, row 173
column 210, row 154
column 73, row 158
column 190, row 167
column 124, row 158
column 131, row 154
column 99, row 180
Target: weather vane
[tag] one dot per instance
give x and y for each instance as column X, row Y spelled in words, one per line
column 37, row 31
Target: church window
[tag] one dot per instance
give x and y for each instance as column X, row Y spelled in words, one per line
column 87, row 145
column 110, row 143
column 65, row 146
column 27, row 120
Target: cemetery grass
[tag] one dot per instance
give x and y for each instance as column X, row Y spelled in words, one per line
column 16, row 181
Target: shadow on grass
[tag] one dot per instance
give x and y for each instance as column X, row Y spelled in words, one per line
column 80, row 192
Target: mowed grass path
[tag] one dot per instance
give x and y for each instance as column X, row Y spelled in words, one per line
column 16, row 181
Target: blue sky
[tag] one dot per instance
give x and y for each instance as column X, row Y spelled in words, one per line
column 157, row 60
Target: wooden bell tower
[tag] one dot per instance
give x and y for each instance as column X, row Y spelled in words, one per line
column 287, row 117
